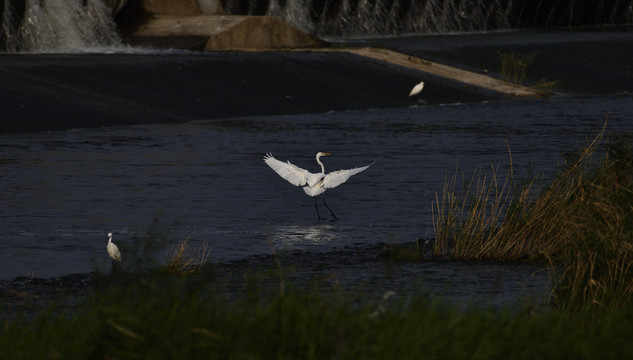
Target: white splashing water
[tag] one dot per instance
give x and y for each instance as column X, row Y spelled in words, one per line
column 367, row 17
column 59, row 26
column 350, row 18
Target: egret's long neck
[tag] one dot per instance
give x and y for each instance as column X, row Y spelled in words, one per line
column 320, row 163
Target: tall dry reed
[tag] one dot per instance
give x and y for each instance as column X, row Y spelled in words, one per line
column 581, row 223
column 596, row 269
column 495, row 217
column 514, row 66
column 182, row 259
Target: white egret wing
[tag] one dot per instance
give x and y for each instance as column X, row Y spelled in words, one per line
column 336, row 178
column 292, row 173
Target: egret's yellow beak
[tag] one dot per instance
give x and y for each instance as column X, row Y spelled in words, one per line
column 323, row 154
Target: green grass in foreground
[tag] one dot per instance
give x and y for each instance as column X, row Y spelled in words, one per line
column 166, row 317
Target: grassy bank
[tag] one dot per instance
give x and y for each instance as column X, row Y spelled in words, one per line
column 162, row 316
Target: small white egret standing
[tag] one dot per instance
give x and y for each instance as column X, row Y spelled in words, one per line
column 416, row 89
column 113, row 251
column 314, row 184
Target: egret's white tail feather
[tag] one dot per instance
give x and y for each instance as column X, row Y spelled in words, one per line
column 313, row 191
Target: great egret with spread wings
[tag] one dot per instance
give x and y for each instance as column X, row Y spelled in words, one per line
column 314, row 184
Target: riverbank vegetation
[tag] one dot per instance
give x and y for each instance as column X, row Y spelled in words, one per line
column 514, row 66
column 580, row 223
column 162, row 316
column 513, row 69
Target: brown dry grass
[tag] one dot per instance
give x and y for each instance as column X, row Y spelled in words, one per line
column 581, row 224
column 514, row 66
column 182, row 259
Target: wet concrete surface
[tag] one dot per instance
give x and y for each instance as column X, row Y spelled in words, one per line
column 63, row 91
column 587, row 61
column 56, row 92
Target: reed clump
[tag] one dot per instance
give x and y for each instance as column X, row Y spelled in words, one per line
column 596, row 269
column 514, row 66
column 183, row 259
column 581, row 223
column 491, row 216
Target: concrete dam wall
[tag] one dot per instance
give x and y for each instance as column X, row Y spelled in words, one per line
column 73, row 25
column 49, row 25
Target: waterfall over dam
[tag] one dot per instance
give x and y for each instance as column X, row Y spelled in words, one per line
column 55, row 25
column 77, row 25
column 349, row 18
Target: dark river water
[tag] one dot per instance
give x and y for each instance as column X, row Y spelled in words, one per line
column 62, row 192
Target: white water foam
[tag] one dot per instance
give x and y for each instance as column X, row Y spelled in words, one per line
column 372, row 17
column 368, row 18
column 58, row 26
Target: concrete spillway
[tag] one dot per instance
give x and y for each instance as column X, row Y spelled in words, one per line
column 202, row 25
column 218, row 32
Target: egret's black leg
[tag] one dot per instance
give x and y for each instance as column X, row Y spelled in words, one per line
column 331, row 212
column 317, row 207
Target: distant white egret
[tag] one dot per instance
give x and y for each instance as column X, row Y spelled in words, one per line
column 113, row 251
column 313, row 184
column 416, row 89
